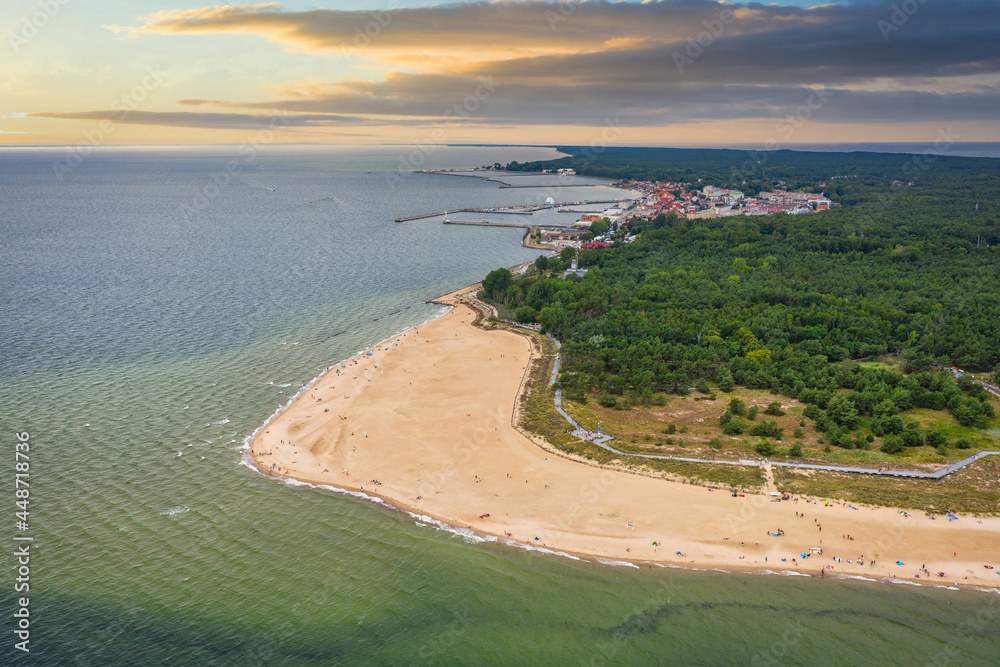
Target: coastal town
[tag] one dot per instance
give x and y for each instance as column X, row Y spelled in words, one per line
column 600, row 223
column 684, row 200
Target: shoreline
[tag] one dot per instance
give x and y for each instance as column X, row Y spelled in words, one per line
column 472, row 536
column 573, row 534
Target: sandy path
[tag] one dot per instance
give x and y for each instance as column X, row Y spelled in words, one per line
column 425, row 423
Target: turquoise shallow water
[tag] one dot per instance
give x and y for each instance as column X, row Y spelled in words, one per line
column 139, row 346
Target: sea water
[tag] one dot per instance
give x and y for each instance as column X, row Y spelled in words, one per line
column 154, row 313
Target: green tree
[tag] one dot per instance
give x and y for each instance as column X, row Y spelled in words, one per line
column 600, row 227
column 737, row 407
column 774, row 408
column 497, row 283
column 843, row 412
column 725, row 380
column 525, row 314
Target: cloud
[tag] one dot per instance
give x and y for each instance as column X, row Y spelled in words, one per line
column 227, row 121
column 650, row 63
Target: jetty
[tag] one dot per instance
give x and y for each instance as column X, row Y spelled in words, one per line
column 500, row 210
column 508, row 186
column 518, row 209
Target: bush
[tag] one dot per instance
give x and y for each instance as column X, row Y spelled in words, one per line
column 935, row 439
column 671, row 429
column 733, row 427
column 737, row 407
column 765, row 448
column 795, row 450
column 608, row 401
column 702, row 386
column 892, row 444
column 912, row 437
column 963, row 443
column 752, row 413
column 659, row 400
column 798, row 433
column 774, row 409
column 766, row 429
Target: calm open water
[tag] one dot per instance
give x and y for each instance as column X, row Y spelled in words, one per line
column 139, row 344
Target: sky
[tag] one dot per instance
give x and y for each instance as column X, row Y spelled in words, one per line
column 666, row 72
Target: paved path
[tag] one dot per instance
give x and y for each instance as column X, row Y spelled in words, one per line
column 602, row 440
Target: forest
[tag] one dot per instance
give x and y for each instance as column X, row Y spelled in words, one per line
column 790, row 304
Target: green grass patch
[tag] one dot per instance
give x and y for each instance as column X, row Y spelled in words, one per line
column 974, row 489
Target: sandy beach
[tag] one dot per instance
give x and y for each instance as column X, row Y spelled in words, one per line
column 425, row 422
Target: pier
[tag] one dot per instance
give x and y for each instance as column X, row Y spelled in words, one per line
column 501, row 210
column 508, row 186
column 519, row 209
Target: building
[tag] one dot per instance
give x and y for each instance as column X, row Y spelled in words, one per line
column 560, row 237
column 783, row 198
column 573, row 270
